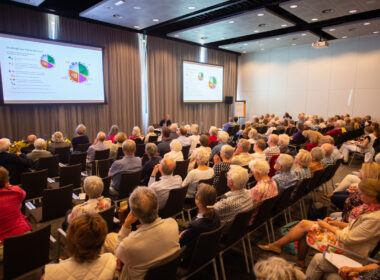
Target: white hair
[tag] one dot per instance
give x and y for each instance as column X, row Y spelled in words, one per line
column 203, row 156
column 284, row 139
column 176, row 146
column 377, row 158
column 81, row 129
column 39, row 144
column 259, row 166
column 93, row 186
column 239, row 176
column 317, row 153
column 303, row 158
column 151, row 129
column 173, row 127
column 4, row 144
column 136, row 131
column 273, row 138
column 144, row 204
column 195, row 129
column 57, row 137
column 275, row 268
column 223, row 136
column 213, row 131
column 308, row 123
column 286, row 162
column 228, row 151
column 253, row 134
column 151, row 149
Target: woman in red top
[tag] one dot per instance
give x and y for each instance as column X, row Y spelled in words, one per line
column 113, row 131
column 12, row 222
column 213, row 135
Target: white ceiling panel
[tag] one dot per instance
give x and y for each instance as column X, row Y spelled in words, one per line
column 139, row 14
column 30, row 2
column 288, row 40
column 319, row 10
column 240, row 25
column 354, row 29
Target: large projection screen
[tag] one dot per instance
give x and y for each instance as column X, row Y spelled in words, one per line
column 37, row 71
column 202, row 82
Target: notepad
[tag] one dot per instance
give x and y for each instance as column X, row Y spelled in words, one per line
column 340, row 260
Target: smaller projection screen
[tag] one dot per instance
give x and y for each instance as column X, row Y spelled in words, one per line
column 37, row 71
column 202, row 83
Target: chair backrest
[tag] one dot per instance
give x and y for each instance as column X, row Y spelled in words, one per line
column 238, row 227
column 264, row 212
column 56, row 202
column 181, row 168
column 166, row 268
column 63, row 153
column 140, row 150
column 185, row 152
column 128, row 182
column 26, row 252
column 79, row 157
column 235, row 130
column 251, row 149
column 207, row 181
column 70, row 175
column 315, row 180
column 102, row 154
column 230, row 130
column 283, row 200
column 300, row 190
column 108, row 215
column 221, row 187
column 152, row 138
column 213, row 144
column 205, row 249
column 272, row 162
column 34, row 183
column 49, row 163
column 101, row 167
column 174, row 203
column 106, row 183
column 120, row 153
column 82, row 147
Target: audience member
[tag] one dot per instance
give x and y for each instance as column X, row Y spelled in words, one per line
column 337, row 130
column 57, row 141
column 298, row 138
column 98, row 145
column 316, row 160
column 272, row 147
column 241, row 155
column 259, row 148
column 194, row 138
column 328, row 149
column 136, row 135
column 39, row 151
column 247, row 129
column 359, row 146
column 253, row 135
column 113, row 131
column 175, row 151
column 153, row 159
column 30, row 141
column 302, row 161
column 81, row 137
column 284, row 178
column 213, row 135
column 222, row 139
column 164, row 146
column 183, row 139
column 166, row 121
column 203, row 140
column 173, row 131
column 313, row 137
column 275, row 268
column 150, row 133
column 119, row 139
column 283, row 142
column 336, row 154
column 222, row 163
column 230, row 123
column 367, row 272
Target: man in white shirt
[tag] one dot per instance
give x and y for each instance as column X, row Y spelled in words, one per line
column 167, row 181
column 183, row 139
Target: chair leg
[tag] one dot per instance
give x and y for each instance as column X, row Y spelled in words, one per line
column 215, row 269
column 267, row 231
column 271, row 228
column 189, row 214
column 222, row 266
column 183, row 216
column 250, row 250
column 245, row 254
column 290, row 214
column 286, row 217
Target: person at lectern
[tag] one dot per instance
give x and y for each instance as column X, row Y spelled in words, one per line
column 166, row 121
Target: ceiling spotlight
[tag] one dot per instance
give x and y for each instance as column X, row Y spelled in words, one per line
column 303, row 34
column 328, row 11
column 366, row 23
column 375, row 32
column 261, row 49
column 332, row 29
column 344, row 37
column 118, row 3
column 137, row 7
column 203, row 38
column 191, row 7
column 231, row 21
column 117, row 16
column 245, row 44
column 260, row 15
column 294, row 44
column 256, row 31
column 284, row 25
column 222, row 38
column 314, row 19
column 176, row 35
column 156, row 19
column 136, row 26
column 109, row 7
column 261, row 25
column 227, row 47
column 293, row 6
column 278, row 39
column 352, row 11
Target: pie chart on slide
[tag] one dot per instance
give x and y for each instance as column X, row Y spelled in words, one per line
column 47, row 61
column 200, row 76
column 212, row 82
column 78, row 72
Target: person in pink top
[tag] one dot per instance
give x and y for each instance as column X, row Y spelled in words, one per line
column 12, row 222
column 113, row 131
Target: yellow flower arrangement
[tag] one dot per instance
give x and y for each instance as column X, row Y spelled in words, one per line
column 16, row 146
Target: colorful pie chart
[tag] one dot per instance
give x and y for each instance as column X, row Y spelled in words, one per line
column 78, row 72
column 200, row 76
column 47, row 61
column 212, row 82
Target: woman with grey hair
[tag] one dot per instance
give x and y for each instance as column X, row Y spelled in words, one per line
column 81, row 137
column 153, row 159
column 39, row 151
column 175, row 151
column 317, row 155
column 150, row 133
column 275, row 268
column 57, row 141
column 93, row 187
column 222, row 163
column 113, row 131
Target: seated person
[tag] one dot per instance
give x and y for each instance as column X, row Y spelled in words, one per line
column 328, row 149
column 361, row 235
column 253, row 136
column 167, row 181
column 258, row 149
column 12, row 221
column 313, row 137
column 237, row 200
column 302, row 161
column 175, row 151
column 166, row 121
column 359, row 146
column 136, row 135
column 194, row 137
column 128, row 164
column 247, row 129
column 271, row 128
column 164, row 146
column 203, row 140
column 213, row 135
column 272, row 147
column 283, row 142
column 265, row 187
column 98, row 145
column 337, row 130
column 222, row 163
column 202, row 172
column 367, row 272
column 207, row 220
column 150, row 133
column 173, row 131
column 93, row 187
column 57, row 141
column 241, row 156
column 284, row 178
column 84, row 241
column 119, row 139
column 277, row 268
column 113, row 131
column 30, row 141
column 336, row 154
column 316, row 160
column 183, row 139
column 222, row 139
column 81, row 137
column 230, row 123
column 153, row 241
column 298, row 138
column 153, row 159
column 39, row 151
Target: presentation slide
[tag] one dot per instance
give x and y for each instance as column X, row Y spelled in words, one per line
column 40, row 71
column 202, row 82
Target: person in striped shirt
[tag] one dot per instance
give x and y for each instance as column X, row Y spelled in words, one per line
column 302, row 160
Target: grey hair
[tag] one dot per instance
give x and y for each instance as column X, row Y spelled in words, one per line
column 129, row 146
column 93, row 186
column 57, row 137
column 144, row 204
column 195, row 129
column 39, row 144
column 151, row 128
column 223, row 136
column 151, row 149
column 101, row 136
column 275, row 268
column 239, row 176
column 203, row 156
column 213, row 131
column 81, row 129
column 284, row 139
column 173, row 127
column 327, row 139
column 4, row 144
column 253, row 134
column 317, row 153
column 273, row 138
column 166, row 169
column 259, row 166
column 328, row 149
column 286, row 162
column 304, row 158
column 228, row 151
column 175, row 145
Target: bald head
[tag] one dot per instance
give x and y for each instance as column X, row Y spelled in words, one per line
column 101, row 136
column 328, row 149
column 167, row 166
column 31, row 138
column 4, row 145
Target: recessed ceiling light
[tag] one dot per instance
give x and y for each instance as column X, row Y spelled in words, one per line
column 332, row 29
column 261, row 49
column 284, row 25
column 191, row 7
column 352, row 11
column 109, row 7
column 156, row 19
column 256, row 31
column 303, row 34
column 136, row 26
column 203, row 38
column 293, row 6
column 328, row 11
column 375, row 32
column 176, row 35
column 344, row 37
column 278, row 39
column 227, row 47
column 117, row 16
column 137, row 7
column 366, row 23
column 244, row 52
column 260, row 15
column 262, row 25
column 294, row 44
column 118, row 3
column 314, row 19
column 245, row 44
column 196, row 31
column 231, row 21
column 222, row 38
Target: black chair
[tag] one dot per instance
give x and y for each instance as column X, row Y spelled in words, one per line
column 79, row 157
column 185, row 152
column 82, row 147
column 63, row 153
column 26, row 252
column 108, row 215
column 221, row 187
column 70, row 174
column 291, row 130
column 33, row 183
column 204, row 254
column 103, row 154
column 140, row 150
column 181, row 168
column 15, row 171
column 128, row 182
column 207, row 181
column 101, row 167
column 174, row 203
column 106, row 183
column 152, row 139
column 166, row 268
column 299, row 192
column 49, row 163
column 120, row 153
column 55, row 203
column 315, row 180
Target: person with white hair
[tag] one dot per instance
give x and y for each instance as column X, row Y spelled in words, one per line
column 283, row 142
column 328, row 149
column 337, row 130
column 222, row 139
column 81, row 137
column 336, row 154
column 302, row 161
column 39, row 151
column 173, row 131
column 203, row 141
column 175, row 151
column 272, row 149
column 241, row 155
column 253, row 135
column 136, row 135
column 275, row 268
column 98, row 145
column 150, row 133
column 284, row 178
column 222, row 163
column 317, row 156
column 213, row 135
column 202, row 172
column 194, row 137
column 238, row 199
column 57, row 141
column 265, row 187
column 93, row 187
column 30, row 141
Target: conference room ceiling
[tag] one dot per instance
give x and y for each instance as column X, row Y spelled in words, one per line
column 209, row 22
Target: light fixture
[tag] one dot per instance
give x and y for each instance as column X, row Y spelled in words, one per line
column 176, row 35
column 109, row 7
column 196, row 31
column 366, row 23
column 222, row 38
column 278, row 39
column 191, row 7
column 303, row 34
column 155, row 19
column 121, row 2
column 332, row 29
column 352, row 11
column 284, row 25
column 137, row 26
column 375, row 32
column 231, row 21
column 227, row 47
column 137, row 7
column 328, row 11
column 314, row 19
column 344, row 37
column 293, row 6
column 117, row 16
column 260, row 15
column 244, row 51
column 261, row 49
column 256, row 31
column 245, row 44
column 294, row 44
